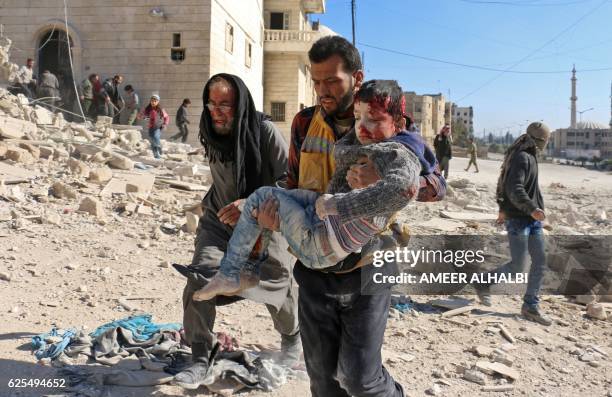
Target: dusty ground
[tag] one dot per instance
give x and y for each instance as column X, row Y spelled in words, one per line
column 72, row 273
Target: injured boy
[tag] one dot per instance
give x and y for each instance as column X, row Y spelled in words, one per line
column 323, row 229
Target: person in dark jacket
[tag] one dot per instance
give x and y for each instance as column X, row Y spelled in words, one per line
column 182, row 121
column 444, row 153
column 245, row 151
column 521, row 207
column 111, row 87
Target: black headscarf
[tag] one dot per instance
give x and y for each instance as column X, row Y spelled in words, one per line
column 242, row 146
column 524, row 143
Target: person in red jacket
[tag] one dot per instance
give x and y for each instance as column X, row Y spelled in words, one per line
column 158, row 120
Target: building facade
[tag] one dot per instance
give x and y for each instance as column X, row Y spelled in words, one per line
column 587, row 140
column 584, row 139
column 421, row 109
column 465, row 116
column 172, row 47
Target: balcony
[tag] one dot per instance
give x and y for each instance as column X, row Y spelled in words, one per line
column 290, row 41
column 314, row 6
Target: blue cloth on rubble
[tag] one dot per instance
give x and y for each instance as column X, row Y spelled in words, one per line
column 55, row 349
column 140, row 326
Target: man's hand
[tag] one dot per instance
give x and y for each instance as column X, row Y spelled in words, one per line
column 538, row 215
column 501, row 218
column 362, row 174
column 267, row 215
column 325, row 206
column 230, row 213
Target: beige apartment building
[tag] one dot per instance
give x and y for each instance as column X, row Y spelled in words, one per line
column 427, row 112
column 172, row 47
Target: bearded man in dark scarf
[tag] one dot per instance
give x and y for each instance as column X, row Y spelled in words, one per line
column 521, row 208
column 245, row 151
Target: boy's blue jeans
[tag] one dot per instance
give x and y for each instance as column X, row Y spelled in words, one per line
column 299, row 224
column 155, row 139
column 526, row 235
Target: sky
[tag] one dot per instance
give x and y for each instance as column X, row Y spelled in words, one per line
column 507, row 35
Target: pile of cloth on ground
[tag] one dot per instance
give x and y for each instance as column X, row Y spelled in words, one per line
column 137, row 352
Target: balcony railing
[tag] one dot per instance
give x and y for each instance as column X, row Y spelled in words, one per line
column 304, row 36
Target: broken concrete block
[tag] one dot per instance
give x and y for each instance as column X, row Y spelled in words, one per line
column 11, row 127
column 482, row 351
column 42, row 116
column 3, row 149
column 80, row 130
column 100, row 175
column 121, row 162
column 46, row 152
column 192, row 222
column 189, row 170
column 92, row 206
column 61, row 191
column 475, row 376
column 19, row 155
column 460, row 183
column 491, row 368
column 597, row 311
column 78, row 167
column 132, row 136
column 134, row 188
column 60, row 153
column 34, row 151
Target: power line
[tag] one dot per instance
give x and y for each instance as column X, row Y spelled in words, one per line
column 478, row 67
column 486, row 83
column 524, row 4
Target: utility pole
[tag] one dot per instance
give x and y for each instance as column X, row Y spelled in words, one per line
column 353, row 18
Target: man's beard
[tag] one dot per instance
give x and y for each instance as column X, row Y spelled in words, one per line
column 345, row 102
column 225, row 129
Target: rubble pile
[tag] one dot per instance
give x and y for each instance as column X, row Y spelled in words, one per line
column 49, row 165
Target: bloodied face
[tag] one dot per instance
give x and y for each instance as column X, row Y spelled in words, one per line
column 335, row 87
column 221, row 105
column 373, row 123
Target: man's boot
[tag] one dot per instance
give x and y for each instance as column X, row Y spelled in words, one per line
column 484, row 294
column 192, row 377
column 533, row 313
column 291, row 349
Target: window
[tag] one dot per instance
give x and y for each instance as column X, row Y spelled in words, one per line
column 279, row 20
column 248, row 53
column 278, row 111
column 176, row 39
column 229, row 38
column 177, row 54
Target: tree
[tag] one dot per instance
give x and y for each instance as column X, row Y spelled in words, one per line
column 459, row 133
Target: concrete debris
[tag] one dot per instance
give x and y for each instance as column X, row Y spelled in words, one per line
column 78, row 167
column 19, row 155
column 475, row 376
column 460, row 183
column 92, row 206
column 11, row 127
column 100, row 175
column 61, row 191
column 492, row 368
column 596, row 311
column 468, row 216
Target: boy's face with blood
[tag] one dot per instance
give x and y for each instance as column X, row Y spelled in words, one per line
column 373, row 123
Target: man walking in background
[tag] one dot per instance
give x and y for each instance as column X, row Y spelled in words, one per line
column 521, row 207
column 132, row 104
column 473, row 152
column 444, row 151
column 182, row 121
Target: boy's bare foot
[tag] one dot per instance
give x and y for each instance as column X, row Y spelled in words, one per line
column 223, row 285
